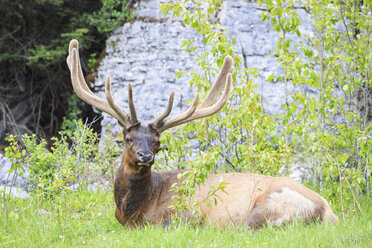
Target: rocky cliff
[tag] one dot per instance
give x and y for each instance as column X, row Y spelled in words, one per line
column 147, row 51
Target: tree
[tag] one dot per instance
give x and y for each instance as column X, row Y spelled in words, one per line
column 35, row 82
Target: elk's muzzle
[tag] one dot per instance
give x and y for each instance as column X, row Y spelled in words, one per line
column 145, row 157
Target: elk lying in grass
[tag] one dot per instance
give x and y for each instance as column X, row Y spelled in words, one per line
column 142, row 195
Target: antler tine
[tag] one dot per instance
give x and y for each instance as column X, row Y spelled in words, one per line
column 81, row 88
column 133, row 115
column 73, row 62
column 158, row 121
column 173, row 121
column 218, row 83
column 123, row 116
column 206, row 108
column 200, row 112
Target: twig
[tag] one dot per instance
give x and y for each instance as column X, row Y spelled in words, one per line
column 228, row 161
column 354, row 198
column 341, row 194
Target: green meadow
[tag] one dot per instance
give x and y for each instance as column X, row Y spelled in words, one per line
column 86, row 219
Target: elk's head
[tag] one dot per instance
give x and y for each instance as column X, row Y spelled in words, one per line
column 142, row 142
column 141, row 145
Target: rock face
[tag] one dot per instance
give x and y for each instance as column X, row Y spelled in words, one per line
column 12, row 183
column 147, row 51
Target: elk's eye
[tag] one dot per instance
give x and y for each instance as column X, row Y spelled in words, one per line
column 128, row 141
column 157, row 143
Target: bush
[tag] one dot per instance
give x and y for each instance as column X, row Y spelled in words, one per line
column 332, row 132
column 52, row 170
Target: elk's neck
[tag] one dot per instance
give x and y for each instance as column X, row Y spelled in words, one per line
column 137, row 181
column 133, row 187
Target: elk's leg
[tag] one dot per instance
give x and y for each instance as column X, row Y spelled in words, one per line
column 119, row 216
column 282, row 205
column 259, row 215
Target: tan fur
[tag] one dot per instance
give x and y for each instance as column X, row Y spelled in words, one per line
column 252, row 200
column 263, row 198
column 142, row 195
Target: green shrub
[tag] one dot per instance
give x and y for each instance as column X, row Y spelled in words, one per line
column 242, row 137
column 52, row 170
column 107, row 157
column 59, row 172
column 333, row 129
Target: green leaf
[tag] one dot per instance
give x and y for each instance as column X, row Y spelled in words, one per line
column 308, row 52
column 271, row 78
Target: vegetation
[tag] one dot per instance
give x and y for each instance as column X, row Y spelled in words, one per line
column 34, row 38
column 332, row 132
column 90, row 222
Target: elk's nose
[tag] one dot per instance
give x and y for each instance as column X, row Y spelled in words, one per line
column 144, row 157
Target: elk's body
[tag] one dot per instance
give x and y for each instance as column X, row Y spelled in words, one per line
column 251, row 200
column 142, row 195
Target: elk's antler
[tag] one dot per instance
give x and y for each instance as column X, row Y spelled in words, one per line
column 207, row 108
column 82, row 90
column 162, row 122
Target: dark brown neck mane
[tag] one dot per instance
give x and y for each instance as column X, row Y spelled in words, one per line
column 134, row 190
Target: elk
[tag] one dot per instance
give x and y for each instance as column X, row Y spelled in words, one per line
column 143, row 196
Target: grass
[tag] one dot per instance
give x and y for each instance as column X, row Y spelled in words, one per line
column 86, row 219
